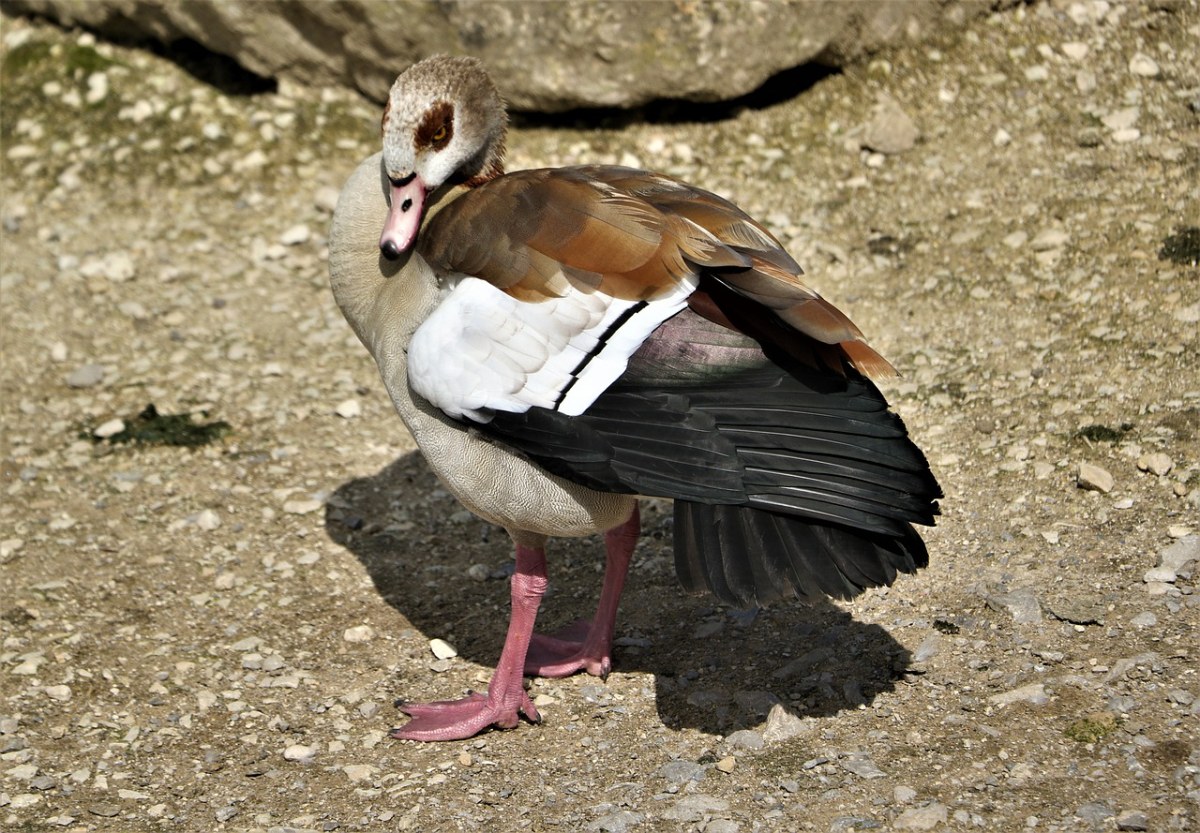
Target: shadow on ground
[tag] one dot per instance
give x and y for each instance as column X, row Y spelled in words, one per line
column 715, row 669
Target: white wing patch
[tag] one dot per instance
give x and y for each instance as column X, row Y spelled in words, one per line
column 483, row 351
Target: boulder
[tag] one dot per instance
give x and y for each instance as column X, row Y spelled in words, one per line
column 546, row 55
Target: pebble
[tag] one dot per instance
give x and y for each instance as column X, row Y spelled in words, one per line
column 299, row 752
column 442, row 649
column 359, row 633
column 681, row 772
column 1049, row 239
column 890, row 130
column 1121, row 119
column 208, row 520
column 1095, row 813
column 349, row 409
column 727, row 764
column 297, row 234
column 1180, row 553
column 1163, row 574
column 1034, row 693
column 903, row 795
column 1158, row 463
column 1144, row 66
column 621, row 821
column 109, row 429
column 1021, row 604
column 1145, row 619
column 1095, row 479
column 1126, row 135
column 1075, row 50
column 360, row 772
column 746, row 739
column 1133, row 820
column 89, row 375
column 863, row 768
column 922, row 818
column 782, row 725
column 301, row 507
column 695, row 807
column 61, row 693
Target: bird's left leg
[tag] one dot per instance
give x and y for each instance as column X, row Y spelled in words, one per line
column 506, row 699
column 587, row 646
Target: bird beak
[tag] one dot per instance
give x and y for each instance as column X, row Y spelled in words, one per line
column 404, row 217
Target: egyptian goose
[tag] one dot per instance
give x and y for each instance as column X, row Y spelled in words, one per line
column 562, row 341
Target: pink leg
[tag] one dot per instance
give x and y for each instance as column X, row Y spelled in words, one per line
column 506, row 699
column 585, row 646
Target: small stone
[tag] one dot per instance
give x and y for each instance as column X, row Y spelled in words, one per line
column 86, row 376
column 863, row 768
column 1144, row 66
column 1145, row 619
column 727, row 764
column 105, row 810
column 1133, row 820
column 348, row 409
column 1127, row 135
column 226, row 813
column 681, row 772
column 442, row 649
column 746, row 739
column 621, row 821
column 1049, row 239
column 1016, row 240
column 360, row 772
column 695, row 807
column 1180, row 553
column 782, row 725
column 301, row 507
column 109, row 429
column 1157, row 463
column 1034, row 693
column 922, row 818
column 903, row 795
column 299, row 752
column 1001, row 137
column 1163, row 574
column 890, row 129
column 61, row 693
column 22, row 801
column 1021, row 604
column 1121, row 119
column 208, row 520
column 1094, row 479
column 1095, row 813
column 359, row 633
column 1037, row 72
column 297, row 234
column 1075, row 50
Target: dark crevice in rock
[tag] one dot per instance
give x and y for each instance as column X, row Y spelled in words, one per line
column 781, row 87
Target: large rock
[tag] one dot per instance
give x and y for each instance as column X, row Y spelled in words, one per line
column 545, row 56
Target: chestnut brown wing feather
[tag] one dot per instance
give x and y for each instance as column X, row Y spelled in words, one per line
column 634, row 235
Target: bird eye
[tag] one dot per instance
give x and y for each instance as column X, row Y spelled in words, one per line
column 440, row 135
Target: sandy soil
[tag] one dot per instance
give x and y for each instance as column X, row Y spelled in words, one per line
column 210, row 637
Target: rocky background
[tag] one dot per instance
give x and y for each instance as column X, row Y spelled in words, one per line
column 546, row 55
column 221, row 559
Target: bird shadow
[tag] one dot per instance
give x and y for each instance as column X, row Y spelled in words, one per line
column 716, row 669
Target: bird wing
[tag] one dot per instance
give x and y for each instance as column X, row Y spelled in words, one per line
column 554, row 278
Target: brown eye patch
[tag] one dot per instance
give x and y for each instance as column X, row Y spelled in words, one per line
column 437, row 126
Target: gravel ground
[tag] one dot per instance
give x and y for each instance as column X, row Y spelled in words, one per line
column 210, row 637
